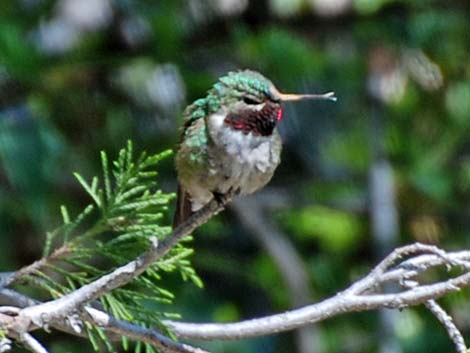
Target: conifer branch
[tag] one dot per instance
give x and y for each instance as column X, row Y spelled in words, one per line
column 123, row 222
column 129, row 208
column 114, row 327
column 362, row 295
column 60, row 308
column 56, row 255
column 359, row 296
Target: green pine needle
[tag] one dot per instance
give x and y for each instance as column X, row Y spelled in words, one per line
column 127, row 210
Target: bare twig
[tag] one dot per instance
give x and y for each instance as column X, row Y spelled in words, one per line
column 31, row 344
column 407, row 269
column 9, row 310
column 5, row 344
column 340, row 304
column 446, row 320
column 114, row 328
column 14, row 277
column 406, row 251
column 10, row 297
column 360, row 296
column 5, row 278
column 355, row 298
column 346, row 301
column 138, row 333
column 57, row 311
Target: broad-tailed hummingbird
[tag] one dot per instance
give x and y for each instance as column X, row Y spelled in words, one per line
column 229, row 139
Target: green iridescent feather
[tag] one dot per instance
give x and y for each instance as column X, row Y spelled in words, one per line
column 246, row 82
column 227, row 91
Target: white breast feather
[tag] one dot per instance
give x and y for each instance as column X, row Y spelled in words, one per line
column 248, row 150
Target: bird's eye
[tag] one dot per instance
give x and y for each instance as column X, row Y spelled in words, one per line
column 250, row 101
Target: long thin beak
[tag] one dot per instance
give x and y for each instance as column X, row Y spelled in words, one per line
column 295, row 97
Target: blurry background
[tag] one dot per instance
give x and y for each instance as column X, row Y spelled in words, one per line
column 388, row 164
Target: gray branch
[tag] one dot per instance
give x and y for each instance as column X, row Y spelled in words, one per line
column 63, row 311
column 357, row 297
column 139, row 333
column 32, row 344
column 44, row 313
column 362, row 295
column 115, row 328
column 446, row 320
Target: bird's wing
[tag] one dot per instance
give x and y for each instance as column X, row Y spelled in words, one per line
column 183, row 207
column 193, row 113
column 192, row 155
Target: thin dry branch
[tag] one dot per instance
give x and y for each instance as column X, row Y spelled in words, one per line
column 32, row 344
column 339, row 304
column 14, row 277
column 360, row 296
column 446, row 320
column 138, row 333
column 5, row 345
column 48, row 312
column 63, row 310
column 115, row 328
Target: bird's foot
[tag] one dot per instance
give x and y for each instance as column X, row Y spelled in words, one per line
column 220, row 197
column 223, row 198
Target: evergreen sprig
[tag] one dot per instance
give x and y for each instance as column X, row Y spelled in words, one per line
column 127, row 209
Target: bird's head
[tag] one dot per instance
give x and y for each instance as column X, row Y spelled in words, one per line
column 251, row 102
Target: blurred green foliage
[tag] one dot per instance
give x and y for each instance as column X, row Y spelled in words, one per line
column 78, row 77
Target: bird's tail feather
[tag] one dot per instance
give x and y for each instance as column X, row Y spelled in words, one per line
column 183, row 207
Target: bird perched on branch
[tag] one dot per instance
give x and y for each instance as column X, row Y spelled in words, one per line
column 229, row 140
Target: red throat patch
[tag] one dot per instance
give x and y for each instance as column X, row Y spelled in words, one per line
column 279, row 114
column 258, row 122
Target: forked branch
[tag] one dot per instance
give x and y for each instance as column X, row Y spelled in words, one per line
column 402, row 267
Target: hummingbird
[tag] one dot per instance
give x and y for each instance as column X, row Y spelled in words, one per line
column 229, row 140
